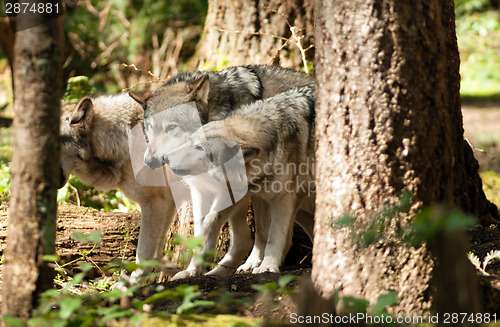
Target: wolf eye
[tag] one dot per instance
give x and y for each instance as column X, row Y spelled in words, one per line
column 198, row 148
column 170, row 127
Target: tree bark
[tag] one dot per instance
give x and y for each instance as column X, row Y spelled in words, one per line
column 35, row 167
column 251, row 32
column 388, row 121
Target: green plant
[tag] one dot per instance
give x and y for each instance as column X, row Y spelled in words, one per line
column 4, row 182
column 127, row 234
column 193, row 246
column 270, row 290
column 6, row 145
column 468, row 7
column 88, row 196
column 374, row 229
column 478, row 30
column 429, row 222
column 78, row 87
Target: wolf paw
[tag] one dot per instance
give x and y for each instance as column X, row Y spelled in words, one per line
column 261, row 269
column 184, row 274
column 249, row 265
column 267, row 265
column 220, row 271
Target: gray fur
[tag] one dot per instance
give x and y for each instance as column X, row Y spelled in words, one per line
column 229, row 89
column 276, row 136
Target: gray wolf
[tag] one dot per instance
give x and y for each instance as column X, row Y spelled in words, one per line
column 95, row 148
column 276, row 137
column 215, row 94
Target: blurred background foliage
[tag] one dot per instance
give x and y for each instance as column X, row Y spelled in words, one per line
column 105, row 37
column 113, row 45
column 478, row 32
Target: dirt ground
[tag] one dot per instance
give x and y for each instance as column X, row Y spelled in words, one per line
column 482, row 129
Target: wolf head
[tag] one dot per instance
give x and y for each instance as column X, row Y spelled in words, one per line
column 94, row 138
column 75, row 124
column 173, row 128
column 174, row 94
column 209, row 147
column 168, row 130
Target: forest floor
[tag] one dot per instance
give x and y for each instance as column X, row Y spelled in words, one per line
column 120, row 232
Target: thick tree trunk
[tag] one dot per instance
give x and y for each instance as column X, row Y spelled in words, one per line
column 35, row 167
column 251, row 32
column 388, row 121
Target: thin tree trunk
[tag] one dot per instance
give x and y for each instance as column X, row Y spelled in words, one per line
column 7, row 38
column 388, row 121
column 251, row 32
column 35, row 168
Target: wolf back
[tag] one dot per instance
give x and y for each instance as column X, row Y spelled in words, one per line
column 229, row 88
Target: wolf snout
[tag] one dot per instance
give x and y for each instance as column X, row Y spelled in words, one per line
column 152, row 162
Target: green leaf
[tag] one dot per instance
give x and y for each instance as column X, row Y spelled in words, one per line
column 131, row 267
column 68, row 306
column 50, row 257
column 95, row 236
column 194, row 243
column 137, row 319
column 37, row 321
column 285, row 280
column 85, row 266
column 168, row 294
column 204, row 303
column 459, row 220
column 150, row 263
column 271, row 286
column 13, row 320
column 80, row 237
column 385, row 301
column 355, row 305
column 179, row 239
column 77, row 279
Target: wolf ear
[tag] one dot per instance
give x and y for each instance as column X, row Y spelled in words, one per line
column 249, row 151
column 199, row 90
column 83, row 113
column 140, row 96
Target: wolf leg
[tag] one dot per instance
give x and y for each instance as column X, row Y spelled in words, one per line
column 262, row 221
column 157, row 217
column 280, row 231
column 240, row 238
column 208, row 230
column 158, row 214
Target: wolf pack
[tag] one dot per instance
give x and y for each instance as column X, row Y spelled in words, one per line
column 257, row 119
